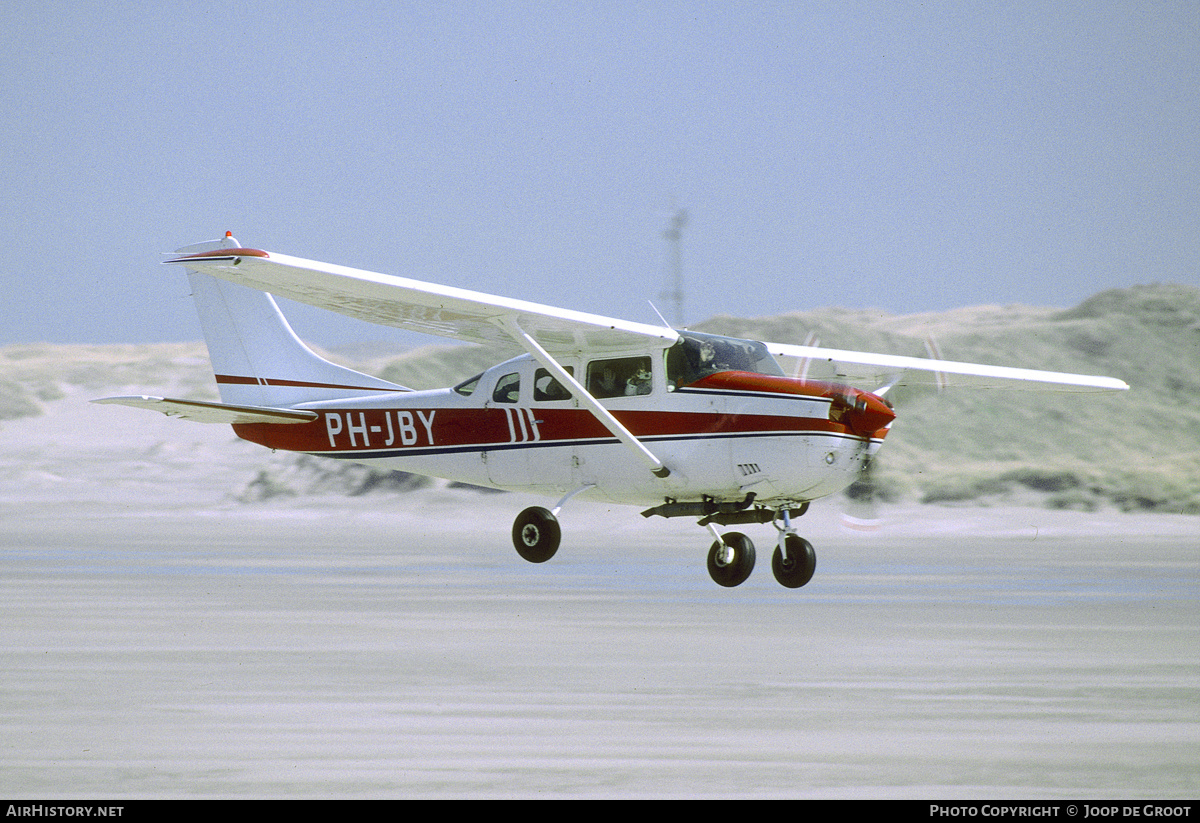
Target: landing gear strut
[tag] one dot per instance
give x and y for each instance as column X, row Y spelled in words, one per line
column 536, row 533
column 731, row 557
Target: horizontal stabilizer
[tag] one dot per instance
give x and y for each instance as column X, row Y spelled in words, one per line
column 212, row 412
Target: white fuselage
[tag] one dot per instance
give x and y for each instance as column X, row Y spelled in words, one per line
column 719, row 441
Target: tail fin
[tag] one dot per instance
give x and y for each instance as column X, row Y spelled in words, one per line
column 256, row 357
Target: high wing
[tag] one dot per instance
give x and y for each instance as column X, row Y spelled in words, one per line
column 425, row 307
column 897, row 370
column 550, row 332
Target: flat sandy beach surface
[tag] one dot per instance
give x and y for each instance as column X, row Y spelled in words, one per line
column 348, row 651
column 160, row 640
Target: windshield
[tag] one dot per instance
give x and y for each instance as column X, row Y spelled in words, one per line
column 698, row 355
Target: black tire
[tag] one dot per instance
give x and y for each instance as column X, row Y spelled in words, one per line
column 737, row 570
column 797, row 568
column 536, row 534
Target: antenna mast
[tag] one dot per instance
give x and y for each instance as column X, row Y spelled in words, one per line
column 674, row 236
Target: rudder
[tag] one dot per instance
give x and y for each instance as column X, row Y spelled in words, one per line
column 256, row 357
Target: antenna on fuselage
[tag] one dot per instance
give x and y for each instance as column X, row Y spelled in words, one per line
column 674, row 236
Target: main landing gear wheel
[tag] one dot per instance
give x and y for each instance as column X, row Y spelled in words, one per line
column 794, row 566
column 536, row 534
column 731, row 560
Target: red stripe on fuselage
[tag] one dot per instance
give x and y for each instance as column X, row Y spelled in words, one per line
column 351, row 430
column 865, row 414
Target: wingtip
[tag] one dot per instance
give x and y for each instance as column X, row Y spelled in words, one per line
column 219, row 254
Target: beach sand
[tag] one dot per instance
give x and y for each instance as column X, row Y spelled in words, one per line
column 160, row 639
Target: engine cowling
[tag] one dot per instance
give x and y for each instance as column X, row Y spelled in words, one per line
column 860, row 411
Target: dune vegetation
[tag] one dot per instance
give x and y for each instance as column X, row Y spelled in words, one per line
column 1135, row 450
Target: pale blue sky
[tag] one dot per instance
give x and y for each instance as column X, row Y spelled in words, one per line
column 891, row 155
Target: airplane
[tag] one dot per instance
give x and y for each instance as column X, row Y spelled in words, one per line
column 683, row 423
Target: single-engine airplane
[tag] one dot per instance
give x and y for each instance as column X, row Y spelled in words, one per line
column 684, row 423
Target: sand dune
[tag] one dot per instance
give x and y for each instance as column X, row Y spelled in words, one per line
column 1134, row 451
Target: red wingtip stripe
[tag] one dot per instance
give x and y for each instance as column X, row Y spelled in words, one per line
column 221, row 253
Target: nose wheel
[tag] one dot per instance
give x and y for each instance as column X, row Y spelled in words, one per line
column 794, row 561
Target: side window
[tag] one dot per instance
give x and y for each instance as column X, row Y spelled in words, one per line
column 619, row 377
column 546, row 388
column 508, row 389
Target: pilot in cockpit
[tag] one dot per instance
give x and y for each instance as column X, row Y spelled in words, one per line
column 708, row 359
column 638, row 383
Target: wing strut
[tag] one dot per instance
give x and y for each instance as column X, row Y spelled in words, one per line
column 602, row 414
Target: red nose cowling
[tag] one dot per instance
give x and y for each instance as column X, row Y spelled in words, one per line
column 864, row 413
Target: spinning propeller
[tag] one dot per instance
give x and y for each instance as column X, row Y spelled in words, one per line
column 863, row 496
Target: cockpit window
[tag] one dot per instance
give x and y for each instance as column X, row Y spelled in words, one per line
column 698, row 355
column 546, row 388
column 467, row 387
